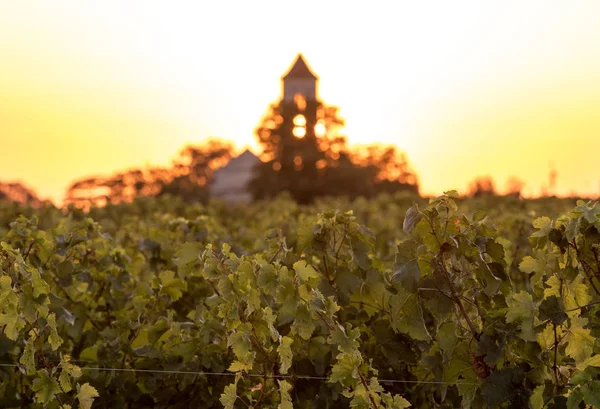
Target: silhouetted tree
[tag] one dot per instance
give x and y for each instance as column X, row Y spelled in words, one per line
column 514, row 186
column 305, row 155
column 194, row 169
column 189, row 177
column 482, row 186
column 17, row 192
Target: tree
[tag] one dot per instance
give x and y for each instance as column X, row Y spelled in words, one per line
column 189, row 177
column 17, row 192
column 514, row 186
column 305, row 154
column 193, row 170
column 482, row 186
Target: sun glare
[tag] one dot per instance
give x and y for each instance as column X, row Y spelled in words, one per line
column 299, row 120
column 320, row 129
column 299, row 132
column 300, row 101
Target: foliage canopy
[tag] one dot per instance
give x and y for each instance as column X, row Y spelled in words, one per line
column 302, row 306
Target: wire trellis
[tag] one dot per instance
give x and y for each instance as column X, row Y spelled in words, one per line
column 269, row 376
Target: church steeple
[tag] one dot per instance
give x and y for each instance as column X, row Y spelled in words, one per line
column 300, row 70
column 299, row 79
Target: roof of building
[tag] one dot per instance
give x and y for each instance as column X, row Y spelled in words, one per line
column 299, row 70
column 233, row 178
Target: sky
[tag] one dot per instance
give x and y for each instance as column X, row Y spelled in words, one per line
column 465, row 88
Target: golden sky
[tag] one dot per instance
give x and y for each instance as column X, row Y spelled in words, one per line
column 495, row 88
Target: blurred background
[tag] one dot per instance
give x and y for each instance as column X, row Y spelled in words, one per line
column 105, row 101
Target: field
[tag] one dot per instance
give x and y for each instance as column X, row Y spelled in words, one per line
column 394, row 302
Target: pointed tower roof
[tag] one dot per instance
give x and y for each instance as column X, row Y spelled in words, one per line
column 300, row 69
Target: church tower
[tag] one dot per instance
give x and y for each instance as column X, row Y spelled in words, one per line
column 299, row 109
column 299, row 80
column 299, row 105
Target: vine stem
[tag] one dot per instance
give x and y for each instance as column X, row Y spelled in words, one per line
column 555, row 366
column 587, row 269
column 364, row 383
column 453, row 291
column 458, row 302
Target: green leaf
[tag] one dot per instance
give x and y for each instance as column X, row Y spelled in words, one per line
column 400, row 403
column 412, row 217
column 447, row 339
column 45, row 387
column 531, row 265
column 86, row 394
column 575, row 398
column 12, row 323
column 305, row 272
column 406, row 267
column 522, row 308
column 303, row 324
column 28, row 357
column 591, row 394
column 90, row 353
column 284, row 392
column 575, row 293
column 468, row 388
column 39, row 285
column 592, row 361
column 285, row 354
column 407, row 315
column 544, row 225
column 237, row 366
column 343, row 371
column 229, row 395
column 501, row 385
column 536, row 400
column 7, row 294
column 187, row 257
column 172, row 286
column 241, row 344
column 68, row 370
column 552, row 309
column 580, row 342
column 54, row 339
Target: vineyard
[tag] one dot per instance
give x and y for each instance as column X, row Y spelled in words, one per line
column 393, row 302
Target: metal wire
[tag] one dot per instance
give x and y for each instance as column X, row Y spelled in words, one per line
column 200, row 373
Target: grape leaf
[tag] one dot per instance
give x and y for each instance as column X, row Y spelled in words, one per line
column 172, row 286
column 86, row 394
column 592, row 361
column 54, row 339
column 580, row 342
column 284, row 392
column 407, row 315
column 285, row 354
column 7, row 294
column 45, row 387
column 536, row 399
column 229, row 395
column 303, row 271
column 413, row 216
column 12, row 323
column 39, row 285
column 28, row 357
column 522, row 308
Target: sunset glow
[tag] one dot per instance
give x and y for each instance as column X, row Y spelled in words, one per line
column 464, row 88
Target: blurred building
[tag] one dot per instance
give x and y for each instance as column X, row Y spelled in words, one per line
column 299, row 111
column 299, row 80
column 230, row 182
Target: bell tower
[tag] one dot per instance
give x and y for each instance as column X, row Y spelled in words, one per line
column 299, row 80
column 299, row 110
